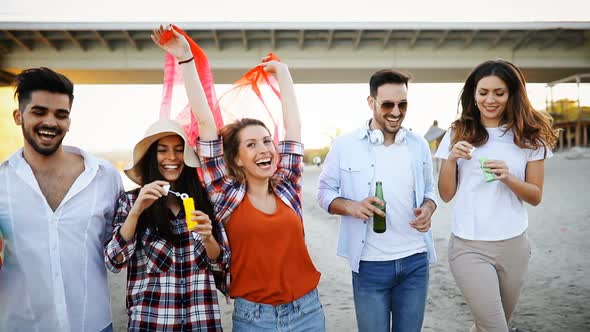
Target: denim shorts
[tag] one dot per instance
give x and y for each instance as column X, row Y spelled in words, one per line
column 304, row 314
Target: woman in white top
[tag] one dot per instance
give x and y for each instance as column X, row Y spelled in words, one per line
column 489, row 249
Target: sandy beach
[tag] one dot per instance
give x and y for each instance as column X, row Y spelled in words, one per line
column 557, row 292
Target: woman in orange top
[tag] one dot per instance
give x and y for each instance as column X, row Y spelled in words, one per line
column 273, row 279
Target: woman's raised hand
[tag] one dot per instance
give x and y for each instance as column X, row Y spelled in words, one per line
column 177, row 46
column 273, row 66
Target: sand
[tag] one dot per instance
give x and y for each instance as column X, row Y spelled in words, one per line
column 556, row 296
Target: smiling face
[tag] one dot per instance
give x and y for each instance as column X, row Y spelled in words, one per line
column 45, row 120
column 256, row 152
column 491, row 97
column 389, row 107
column 170, row 156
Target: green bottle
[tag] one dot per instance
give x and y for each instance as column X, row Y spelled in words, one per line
column 379, row 225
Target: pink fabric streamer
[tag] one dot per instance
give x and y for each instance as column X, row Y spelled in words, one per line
column 173, row 77
column 255, row 95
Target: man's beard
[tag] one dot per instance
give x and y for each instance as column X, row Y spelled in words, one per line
column 391, row 131
column 46, row 151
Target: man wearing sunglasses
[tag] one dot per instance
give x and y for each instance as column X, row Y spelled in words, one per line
column 389, row 269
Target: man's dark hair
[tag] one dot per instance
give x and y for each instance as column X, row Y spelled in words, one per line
column 386, row 76
column 41, row 79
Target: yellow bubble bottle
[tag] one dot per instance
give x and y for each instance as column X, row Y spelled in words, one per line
column 189, row 207
column 187, row 202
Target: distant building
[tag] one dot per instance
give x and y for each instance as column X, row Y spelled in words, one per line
column 433, row 136
column 570, row 115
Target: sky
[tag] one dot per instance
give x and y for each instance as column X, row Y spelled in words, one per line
column 293, row 11
column 114, row 117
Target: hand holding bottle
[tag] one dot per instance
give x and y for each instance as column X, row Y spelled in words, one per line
column 148, row 194
column 498, row 169
column 201, row 224
column 462, row 150
column 365, row 209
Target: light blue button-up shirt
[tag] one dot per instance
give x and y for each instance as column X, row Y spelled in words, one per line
column 348, row 173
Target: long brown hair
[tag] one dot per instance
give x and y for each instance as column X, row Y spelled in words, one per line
column 231, row 144
column 532, row 128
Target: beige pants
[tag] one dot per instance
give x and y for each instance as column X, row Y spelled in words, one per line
column 490, row 275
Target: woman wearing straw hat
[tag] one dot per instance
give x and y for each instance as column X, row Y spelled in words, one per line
column 257, row 198
column 171, row 269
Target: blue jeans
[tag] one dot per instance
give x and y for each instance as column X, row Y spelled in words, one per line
column 108, row 328
column 304, row 314
column 388, row 289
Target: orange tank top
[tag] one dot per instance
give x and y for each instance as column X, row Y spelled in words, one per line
column 270, row 263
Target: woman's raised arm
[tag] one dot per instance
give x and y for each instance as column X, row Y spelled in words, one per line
column 179, row 47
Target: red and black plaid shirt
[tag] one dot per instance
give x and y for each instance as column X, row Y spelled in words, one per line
column 170, row 286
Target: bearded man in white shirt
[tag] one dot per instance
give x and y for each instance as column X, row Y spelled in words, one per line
column 56, row 208
column 389, row 268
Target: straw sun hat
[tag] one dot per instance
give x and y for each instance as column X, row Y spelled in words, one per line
column 157, row 130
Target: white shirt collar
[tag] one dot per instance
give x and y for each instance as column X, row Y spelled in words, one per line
column 90, row 162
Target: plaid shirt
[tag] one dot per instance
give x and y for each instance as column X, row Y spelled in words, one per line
column 227, row 193
column 170, row 287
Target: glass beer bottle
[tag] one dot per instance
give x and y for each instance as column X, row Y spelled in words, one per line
column 379, row 225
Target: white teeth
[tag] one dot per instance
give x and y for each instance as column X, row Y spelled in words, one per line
column 170, row 166
column 44, row 132
column 266, row 160
column 392, row 118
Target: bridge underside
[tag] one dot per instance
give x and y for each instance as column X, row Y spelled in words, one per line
column 109, row 53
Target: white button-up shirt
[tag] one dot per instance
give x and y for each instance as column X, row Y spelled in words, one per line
column 349, row 171
column 53, row 277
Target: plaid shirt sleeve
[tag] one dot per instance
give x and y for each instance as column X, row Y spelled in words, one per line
column 224, row 192
column 290, row 166
column 117, row 245
column 219, row 266
column 221, row 263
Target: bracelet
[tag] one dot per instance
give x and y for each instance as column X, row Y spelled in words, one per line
column 186, row 61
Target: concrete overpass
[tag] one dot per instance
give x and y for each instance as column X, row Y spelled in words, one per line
column 108, row 53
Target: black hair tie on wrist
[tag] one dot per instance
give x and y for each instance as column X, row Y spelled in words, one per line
column 187, row 60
